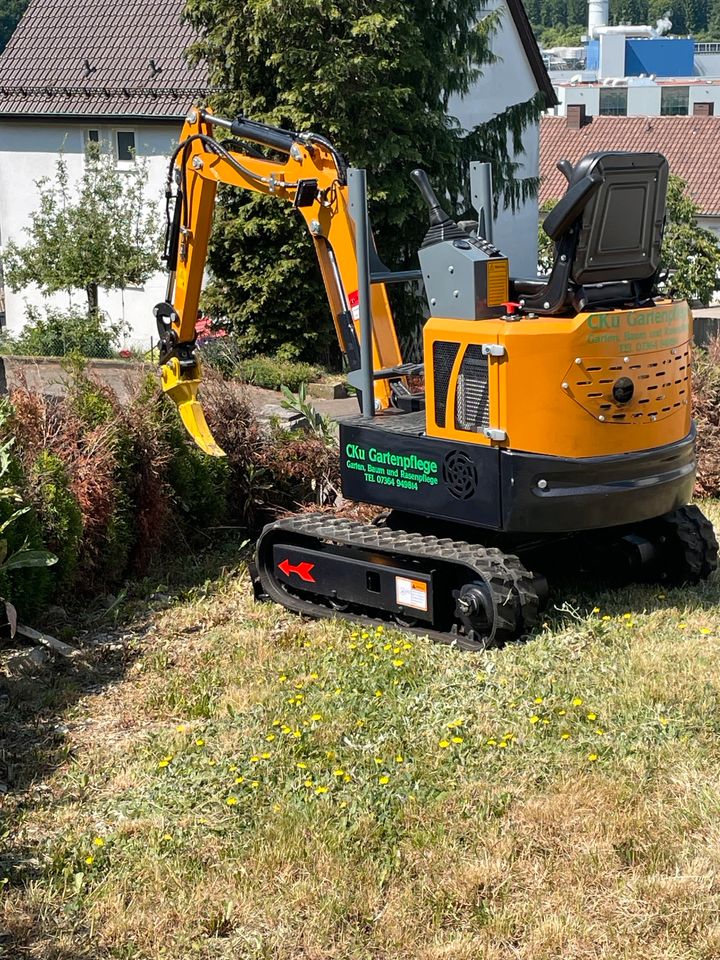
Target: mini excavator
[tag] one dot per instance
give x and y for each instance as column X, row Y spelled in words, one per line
column 554, row 431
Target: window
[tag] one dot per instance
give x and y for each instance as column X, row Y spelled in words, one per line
column 613, row 101
column 125, row 145
column 674, row 101
column 93, row 136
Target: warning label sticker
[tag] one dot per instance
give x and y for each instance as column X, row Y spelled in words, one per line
column 354, row 304
column 497, row 282
column 411, row 593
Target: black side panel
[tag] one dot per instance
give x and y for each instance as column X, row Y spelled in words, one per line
column 422, row 475
column 556, row 495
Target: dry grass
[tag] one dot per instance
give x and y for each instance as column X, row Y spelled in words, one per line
column 554, row 799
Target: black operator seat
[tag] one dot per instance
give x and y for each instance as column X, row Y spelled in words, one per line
column 607, row 230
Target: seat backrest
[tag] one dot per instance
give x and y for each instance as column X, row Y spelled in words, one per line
column 622, row 223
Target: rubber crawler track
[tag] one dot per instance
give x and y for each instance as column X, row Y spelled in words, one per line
column 514, row 589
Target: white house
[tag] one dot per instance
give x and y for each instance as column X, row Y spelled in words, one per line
column 115, row 71
column 79, row 70
column 518, row 75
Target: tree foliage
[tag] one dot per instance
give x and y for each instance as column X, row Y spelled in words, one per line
column 690, row 261
column 10, row 13
column 690, row 253
column 376, row 78
column 563, row 22
column 100, row 233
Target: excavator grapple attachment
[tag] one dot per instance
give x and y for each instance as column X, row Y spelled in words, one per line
column 182, row 386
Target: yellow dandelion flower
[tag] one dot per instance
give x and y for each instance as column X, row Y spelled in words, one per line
column 164, row 762
column 231, row 801
column 457, row 739
column 538, row 699
column 388, row 646
column 491, row 742
column 239, row 779
column 232, row 768
column 307, row 783
column 347, row 778
column 354, row 634
column 199, row 742
column 627, row 616
column 384, row 779
column 89, row 861
column 181, row 728
column 444, row 744
column 266, row 755
column 407, row 646
column 317, row 717
column 592, row 716
column 664, row 721
column 565, row 735
column 380, row 629
column 379, row 761
column 166, row 837
column 577, row 701
column 330, row 754
column 592, row 757
column 270, row 737
column 378, row 693
column 297, row 734
column 353, row 646
column 301, row 765
column 457, row 722
column 212, row 763
column 503, row 744
column 599, row 731
column 369, row 645
column 398, row 663
column 99, row 842
column 285, row 729
column 534, row 718
column 399, row 758
column 254, row 759
column 705, row 630
column 319, row 790
column 561, row 713
column 606, row 618
column 339, row 772
column 255, row 784
column 509, row 735
column 545, row 720
column 396, row 649
column 314, row 676
column 596, row 609
column 364, row 635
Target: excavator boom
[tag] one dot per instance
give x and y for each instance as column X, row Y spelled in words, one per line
column 311, row 177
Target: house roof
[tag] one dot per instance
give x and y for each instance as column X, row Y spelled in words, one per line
column 691, row 145
column 100, row 58
column 532, row 51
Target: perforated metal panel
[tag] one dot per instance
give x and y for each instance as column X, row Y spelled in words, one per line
column 472, row 401
column 444, row 354
column 661, row 384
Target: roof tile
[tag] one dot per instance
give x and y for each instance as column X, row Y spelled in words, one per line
column 691, row 145
column 79, row 57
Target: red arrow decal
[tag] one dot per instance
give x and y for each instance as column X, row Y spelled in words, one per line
column 302, row 570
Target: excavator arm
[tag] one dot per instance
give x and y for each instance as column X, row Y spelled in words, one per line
column 313, row 179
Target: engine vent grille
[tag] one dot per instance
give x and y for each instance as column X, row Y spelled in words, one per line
column 472, row 403
column 661, row 385
column 444, row 354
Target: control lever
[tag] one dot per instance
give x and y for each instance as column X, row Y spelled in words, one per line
column 437, row 215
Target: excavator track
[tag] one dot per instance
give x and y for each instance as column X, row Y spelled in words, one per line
column 475, row 596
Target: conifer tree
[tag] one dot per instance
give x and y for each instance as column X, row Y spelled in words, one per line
column 376, row 79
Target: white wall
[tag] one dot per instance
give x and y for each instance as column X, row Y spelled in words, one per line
column 589, row 95
column 507, row 82
column 29, row 151
column 643, row 100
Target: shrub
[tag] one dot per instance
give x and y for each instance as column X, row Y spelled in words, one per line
column 273, row 372
column 706, row 410
column 222, row 355
column 60, row 333
column 58, row 512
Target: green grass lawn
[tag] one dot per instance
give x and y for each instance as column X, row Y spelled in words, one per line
column 237, row 783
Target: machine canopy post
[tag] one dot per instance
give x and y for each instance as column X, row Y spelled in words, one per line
column 357, row 187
